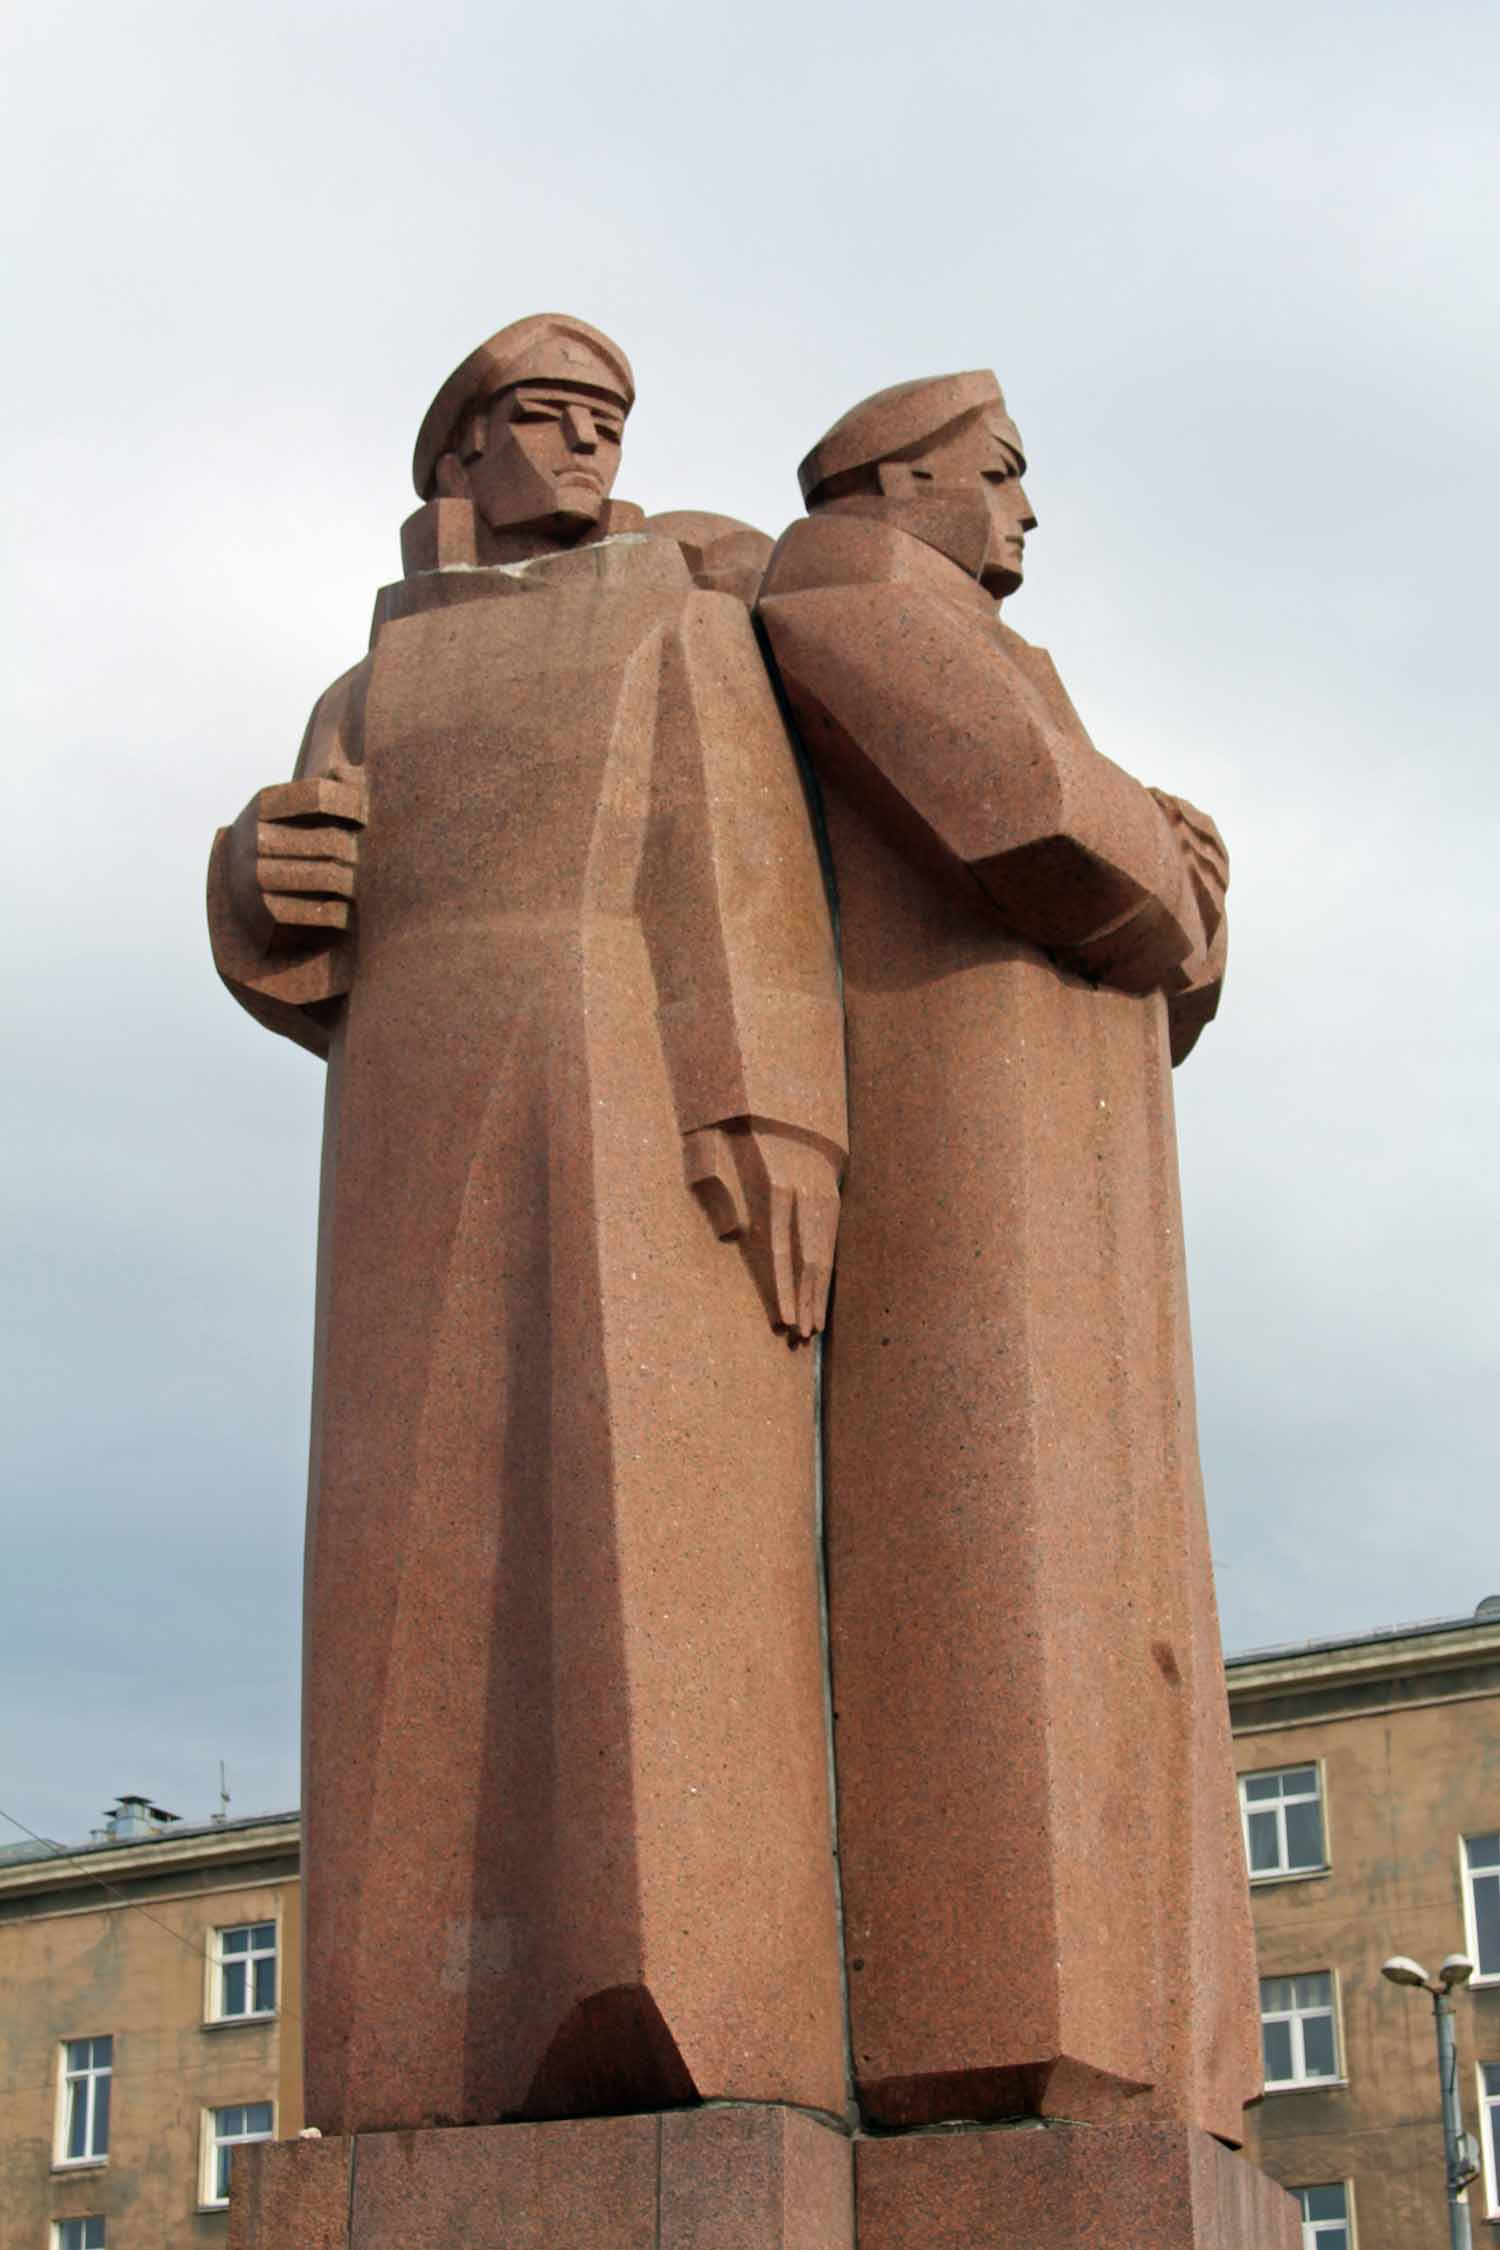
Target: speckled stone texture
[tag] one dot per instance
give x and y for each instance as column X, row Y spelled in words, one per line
column 1058, row 2187
column 568, row 1838
column 290, row 2193
column 713, row 2179
column 1045, row 1908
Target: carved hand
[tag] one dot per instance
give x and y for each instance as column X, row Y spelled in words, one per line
column 293, row 854
column 1203, row 855
column 778, row 1189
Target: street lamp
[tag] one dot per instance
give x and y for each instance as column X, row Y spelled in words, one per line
column 1460, row 2155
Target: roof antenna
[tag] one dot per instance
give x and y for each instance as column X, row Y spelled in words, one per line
column 223, row 1812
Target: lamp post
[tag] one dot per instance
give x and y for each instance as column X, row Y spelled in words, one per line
column 1459, row 2160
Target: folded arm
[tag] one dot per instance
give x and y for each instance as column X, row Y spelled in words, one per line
column 944, row 721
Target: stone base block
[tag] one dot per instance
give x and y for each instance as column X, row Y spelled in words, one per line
column 1066, row 2187
column 736, row 2177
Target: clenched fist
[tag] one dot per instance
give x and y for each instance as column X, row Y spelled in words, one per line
column 293, row 854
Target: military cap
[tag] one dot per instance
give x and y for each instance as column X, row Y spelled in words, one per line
column 545, row 348
column 900, row 423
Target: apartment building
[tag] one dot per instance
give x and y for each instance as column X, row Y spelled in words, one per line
column 147, row 2029
column 151, row 1975
column 1370, row 1798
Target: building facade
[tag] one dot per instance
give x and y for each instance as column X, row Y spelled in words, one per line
column 151, row 1977
column 146, row 2029
column 1370, row 1797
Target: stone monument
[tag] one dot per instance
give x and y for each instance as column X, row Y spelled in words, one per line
column 584, row 1751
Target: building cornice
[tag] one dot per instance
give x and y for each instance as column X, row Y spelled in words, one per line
column 117, row 1867
column 1449, row 1662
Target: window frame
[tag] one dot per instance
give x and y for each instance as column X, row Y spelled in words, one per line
column 1489, row 2136
column 1296, row 2017
column 213, row 2010
column 211, row 2142
column 84, row 2219
column 1311, row 2236
column 1468, row 1877
column 89, row 2077
column 1284, row 1874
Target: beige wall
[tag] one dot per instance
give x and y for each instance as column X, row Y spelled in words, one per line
column 134, row 1969
column 1401, row 1787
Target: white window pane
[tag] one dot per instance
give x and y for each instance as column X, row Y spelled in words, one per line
column 79, row 2052
column 263, row 1934
column 103, row 2053
column 1260, row 1787
column 264, row 1999
column 1304, row 1834
column 78, row 2112
column 1317, row 2045
column 1299, row 1781
column 234, row 1989
column 234, row 1941
column 1491, row 2077
column 93, row 2234
column 221, row 2173
column 101, row 2116
column 1276, row 2039
column 1484, row 1851
column 1265, row 1843
column 1324, row 2202
column 258, row 2118
column 1487, row 1923
column 1314, row 1991
column 1275, row 1994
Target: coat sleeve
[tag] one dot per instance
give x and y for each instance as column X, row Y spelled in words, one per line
column 945, row 725
column 731, row 894
column 292, row 989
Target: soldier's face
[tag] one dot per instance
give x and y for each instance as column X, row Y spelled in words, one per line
column 976, row 451
column 550, row 460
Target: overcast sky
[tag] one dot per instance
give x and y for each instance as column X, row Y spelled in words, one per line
column 1236, row 269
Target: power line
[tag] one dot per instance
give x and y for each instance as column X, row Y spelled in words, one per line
column 135, row 1905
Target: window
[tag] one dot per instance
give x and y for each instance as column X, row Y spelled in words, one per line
column 1325, row 2217
column 225, row 2130
column 83, row 2119
column 1489, row 2134
column 244, row 1972
column 1283, row 1817
column 78, row 2234
column 1296, row 2029
column 1482, row 1899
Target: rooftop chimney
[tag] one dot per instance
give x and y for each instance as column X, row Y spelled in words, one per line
column 129, row 1819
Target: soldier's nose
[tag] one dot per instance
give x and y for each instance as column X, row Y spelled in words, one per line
column 578, row 425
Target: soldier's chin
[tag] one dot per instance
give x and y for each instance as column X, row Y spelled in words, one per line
column 997, row 581
column 579, row 502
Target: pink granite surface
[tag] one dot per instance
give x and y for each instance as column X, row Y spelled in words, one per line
column 1122, row 2187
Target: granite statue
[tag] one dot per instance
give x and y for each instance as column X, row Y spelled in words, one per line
column 544, row 892
column 748, row 1773
column 1032, row 1737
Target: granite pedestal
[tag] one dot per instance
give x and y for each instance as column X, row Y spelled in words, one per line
column 745, row 2177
